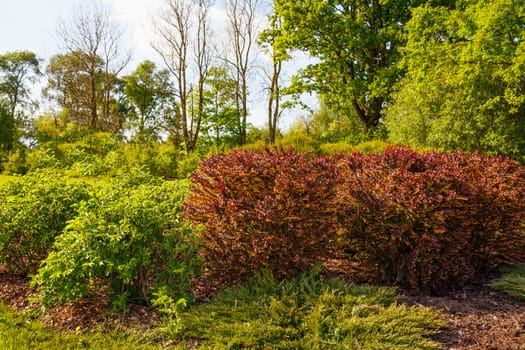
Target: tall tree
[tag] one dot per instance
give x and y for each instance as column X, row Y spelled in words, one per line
column 8, row 128
column 94, row 39
column 465, row 86
column 222, row 115
column 243, row 31
column 17, row 69
column 70, row 86
column 184, row 32
column 148, row 90
column 267, row 39
column 356, row 49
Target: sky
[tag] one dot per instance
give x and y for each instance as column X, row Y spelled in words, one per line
column 32, row 24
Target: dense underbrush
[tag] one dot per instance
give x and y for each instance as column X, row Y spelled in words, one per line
column 424, row 221
column 122, row 238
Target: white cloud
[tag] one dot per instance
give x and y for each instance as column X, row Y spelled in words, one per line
column 136, row 16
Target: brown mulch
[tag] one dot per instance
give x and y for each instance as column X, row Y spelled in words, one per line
column 478, row 317
column 86, row 314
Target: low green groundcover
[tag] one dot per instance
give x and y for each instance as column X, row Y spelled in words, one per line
column 512, row 282
column 308, row 312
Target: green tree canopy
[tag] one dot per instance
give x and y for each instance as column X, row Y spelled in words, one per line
column 148, row 91
column 16, row 68
column 71, row 84
column 465, row 82
column 222, row 115
column 356, row 45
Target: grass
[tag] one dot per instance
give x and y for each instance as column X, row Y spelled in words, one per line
column 21, row 331
column 512, row 282
column 308, row 313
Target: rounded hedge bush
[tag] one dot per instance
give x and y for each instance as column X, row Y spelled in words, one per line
column 126, row 242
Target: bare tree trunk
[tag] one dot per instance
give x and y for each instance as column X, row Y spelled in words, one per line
column 242, row 30
column 179, row 37
column 274, row 100
column 203, row 60
column 93, row 96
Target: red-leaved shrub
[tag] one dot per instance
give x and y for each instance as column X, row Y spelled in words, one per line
column 431, row 221
column 424, row 221
column 269, row 209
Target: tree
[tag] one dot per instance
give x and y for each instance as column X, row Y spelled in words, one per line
column 465, row 82
column 16, row 70
column 242, row 35
column 222, row 120
column 147, row 90
column 94, row 41
column 8, row 130
column 355, row 44
column 184, row 46
column 70, row 85
column 267, row 39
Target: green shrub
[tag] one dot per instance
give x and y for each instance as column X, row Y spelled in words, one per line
column 187, row 165
column 343, row 147
column 301, row 143
column 16, row 162
column 159, row 158
column 126, row 241
column 308, row 312
column 33, row 210
column 42, row 158
column 373, row 146
column 258, row 145
column 337, row 147
column 270, row 209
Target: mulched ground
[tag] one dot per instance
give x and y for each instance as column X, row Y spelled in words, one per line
column 84, row 315
column 478, row 316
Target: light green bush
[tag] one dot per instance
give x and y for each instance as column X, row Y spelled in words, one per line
column 43, row 157
column 372, row 146
column 159, row 158
column 338, row 147
column 126, row 241
column 33, row 210
column 301, row 143
column 16, row 162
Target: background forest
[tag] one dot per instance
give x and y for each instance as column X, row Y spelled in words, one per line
column 446, row 75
